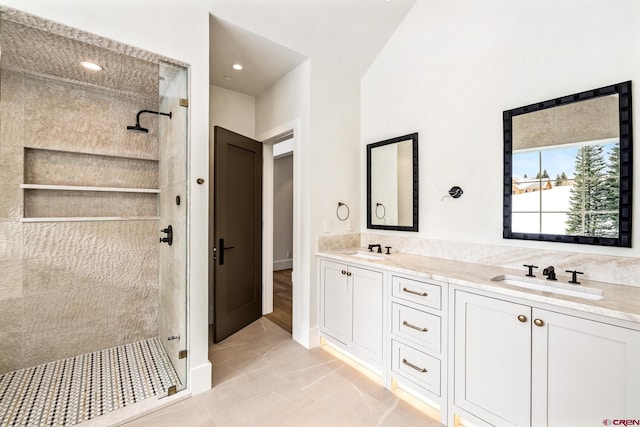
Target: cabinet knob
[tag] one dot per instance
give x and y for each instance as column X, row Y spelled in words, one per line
column 522, row 318
column 344, row 272
column 349, row 273
column 538, row 322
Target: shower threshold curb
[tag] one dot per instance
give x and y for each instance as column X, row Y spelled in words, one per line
column 133, row 412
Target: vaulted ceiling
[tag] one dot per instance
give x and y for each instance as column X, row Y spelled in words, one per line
column 270, row 38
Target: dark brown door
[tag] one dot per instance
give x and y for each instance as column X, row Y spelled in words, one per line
column 237, row 260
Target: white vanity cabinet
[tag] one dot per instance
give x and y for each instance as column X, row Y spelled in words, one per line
column 418, row 329
column 519, row 365
column 352, row 309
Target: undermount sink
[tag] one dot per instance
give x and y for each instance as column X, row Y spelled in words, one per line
column 578, row 291
column 366, row 255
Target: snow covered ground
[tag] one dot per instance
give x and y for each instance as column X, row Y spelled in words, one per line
column 541, row 211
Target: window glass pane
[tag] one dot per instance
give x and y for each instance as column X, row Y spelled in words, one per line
column 555, row 198
column 525, row 222
column 554, row 223
column 526, row 179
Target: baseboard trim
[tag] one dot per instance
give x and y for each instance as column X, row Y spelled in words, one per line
column 200, row 378
column 314, row 337
column 282, row 264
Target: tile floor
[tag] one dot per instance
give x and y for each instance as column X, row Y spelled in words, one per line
column 69, row 391
column 261, row 377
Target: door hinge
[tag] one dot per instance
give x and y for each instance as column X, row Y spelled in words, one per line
column 182, row 354
column 184, row 102
column 172, row 390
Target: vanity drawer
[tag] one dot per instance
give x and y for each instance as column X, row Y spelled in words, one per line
column 417, row 366
column 424, row 293
column 417, row 326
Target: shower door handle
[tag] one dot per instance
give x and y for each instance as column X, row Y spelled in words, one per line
column 221, row 249
column 169, row 238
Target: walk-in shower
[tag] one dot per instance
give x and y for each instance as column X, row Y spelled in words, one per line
column 92, row 305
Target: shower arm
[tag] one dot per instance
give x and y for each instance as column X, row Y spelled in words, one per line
column 151, row 112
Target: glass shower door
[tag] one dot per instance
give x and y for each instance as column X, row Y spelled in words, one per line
column 173, row 152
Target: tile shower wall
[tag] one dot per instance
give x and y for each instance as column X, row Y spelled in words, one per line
column 72, row 287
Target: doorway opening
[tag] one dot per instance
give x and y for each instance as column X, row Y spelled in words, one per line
column 277, row 150
column 236, row 260
column 282, row 292
column 280, row 227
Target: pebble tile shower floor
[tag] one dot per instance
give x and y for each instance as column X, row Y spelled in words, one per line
column 69, row 391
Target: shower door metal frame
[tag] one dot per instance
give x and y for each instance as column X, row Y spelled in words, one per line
column 173, row 153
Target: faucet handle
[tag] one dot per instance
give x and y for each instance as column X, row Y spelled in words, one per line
column 530, row 267
column 388, row 248
column 574, row 276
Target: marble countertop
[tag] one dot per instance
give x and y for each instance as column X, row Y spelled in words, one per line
column 619, row 302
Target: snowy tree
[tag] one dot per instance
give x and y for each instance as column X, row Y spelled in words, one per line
column 543, row 175
column 562, row 179
column 589, row 194
column 610, row 227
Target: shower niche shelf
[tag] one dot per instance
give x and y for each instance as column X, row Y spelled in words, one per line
column 86, row 188
column 90, row 218
column 63, row 186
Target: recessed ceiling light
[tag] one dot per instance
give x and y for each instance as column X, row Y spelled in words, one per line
column 91, row 66
column 227, row 78
column 237, row 67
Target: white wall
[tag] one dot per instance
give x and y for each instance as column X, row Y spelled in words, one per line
column 326, row 167
column 453, row 67
column 333, row 160
column 178, row 29
column 232, row 110
column 285, row 100
column 283, row 106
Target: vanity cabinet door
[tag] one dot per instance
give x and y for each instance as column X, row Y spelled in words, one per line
column 492, row 359
column 583, row 372
column 367, row 304
column 335, row 301
column 351, row 308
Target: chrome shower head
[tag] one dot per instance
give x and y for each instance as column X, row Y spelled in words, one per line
column 140, row 129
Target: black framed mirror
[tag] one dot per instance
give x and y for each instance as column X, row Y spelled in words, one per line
column 392, row 184
column 568, row 168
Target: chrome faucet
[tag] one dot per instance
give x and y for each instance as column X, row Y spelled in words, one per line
column 374, row 246
column 550, row 273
